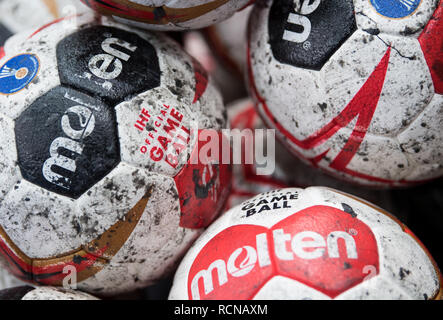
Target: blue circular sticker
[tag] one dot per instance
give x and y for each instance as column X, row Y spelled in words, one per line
column 395, row 9
column 18, row 72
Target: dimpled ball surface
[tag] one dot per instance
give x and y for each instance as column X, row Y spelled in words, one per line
column 95, row 124
column 168, row 15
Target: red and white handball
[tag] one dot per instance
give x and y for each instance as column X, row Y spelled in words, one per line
column 353, row 87
column 313, row 243
column 95, row 170
column 168, row 15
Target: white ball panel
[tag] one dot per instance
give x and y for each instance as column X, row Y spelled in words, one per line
column 406, row 271
column 8, row 281
column 132, row 140
column 376, row 288
column 51, row 293
column 212, row 17
column 43, row 45
column 292, row 97
column 109, row 201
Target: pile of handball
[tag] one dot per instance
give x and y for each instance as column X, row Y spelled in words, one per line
column 108, row 188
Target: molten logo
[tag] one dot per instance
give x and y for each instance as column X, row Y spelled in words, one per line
column 321, row 247
column 300, row 19
column 99, row 64
column 72, row 143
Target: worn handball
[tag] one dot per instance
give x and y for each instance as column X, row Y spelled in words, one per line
column 95, row 160
column 313, row 243
column 7, row 280
column 353, row 87
column 168, row 15
column 20, row 15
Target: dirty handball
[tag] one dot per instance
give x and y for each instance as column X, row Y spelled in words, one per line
column 95, row 124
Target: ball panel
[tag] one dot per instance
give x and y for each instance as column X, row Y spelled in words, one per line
column 375, row 267
column 202, row 200
column 45, row 222
column 7, row 280
column 66, row 142
column 15, row 293
column 271, row 81
column 310, row 31
column 36, row 74
column 375, row 288
column 168, row 15
column 154, row 132
column 399, row 18
column 431, row 41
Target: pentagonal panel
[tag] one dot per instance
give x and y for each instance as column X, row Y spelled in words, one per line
column 108, row 62
column 385, row 74
column 307, row 33
column 66, row 142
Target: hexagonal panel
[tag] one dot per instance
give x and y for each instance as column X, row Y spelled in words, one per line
column 307, row 33
column 108, row 62
column 405, row 18
column 67, row 142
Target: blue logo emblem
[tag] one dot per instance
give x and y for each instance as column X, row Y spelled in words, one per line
column 396, row 9
column 17, row 73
